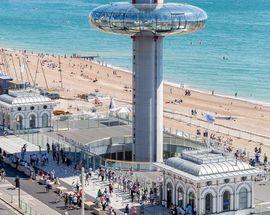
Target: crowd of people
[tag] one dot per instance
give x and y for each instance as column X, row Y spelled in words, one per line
column 127, row 184
column 180, row 210
column 214, row 137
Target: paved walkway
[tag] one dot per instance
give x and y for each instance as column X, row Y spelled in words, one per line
column 119, row 198
column 5, row 209
column 29, row 205
column 38, row 192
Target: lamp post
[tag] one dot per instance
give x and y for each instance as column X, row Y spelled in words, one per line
column 82, row 181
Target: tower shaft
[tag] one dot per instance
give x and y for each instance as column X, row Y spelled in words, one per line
column 148, row 97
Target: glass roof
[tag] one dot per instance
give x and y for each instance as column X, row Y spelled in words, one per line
column 212, row 163
column 21, row 98
column 159, row 19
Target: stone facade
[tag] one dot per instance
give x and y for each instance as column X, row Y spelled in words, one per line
column 25, row 111
column 223, row 192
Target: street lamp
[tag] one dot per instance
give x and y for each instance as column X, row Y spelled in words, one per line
column 83, row 190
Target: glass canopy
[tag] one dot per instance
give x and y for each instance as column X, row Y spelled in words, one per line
column 159, row 19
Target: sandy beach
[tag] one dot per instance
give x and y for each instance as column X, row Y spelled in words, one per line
column 82, row 76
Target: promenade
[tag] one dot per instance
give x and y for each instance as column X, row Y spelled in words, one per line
column 29, row 204
column 119, row 199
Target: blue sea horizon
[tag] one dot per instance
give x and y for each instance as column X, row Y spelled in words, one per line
column 232, row 54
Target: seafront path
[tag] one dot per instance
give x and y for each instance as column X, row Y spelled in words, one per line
column 6, row 209
column 29, row 204
column 119, row 199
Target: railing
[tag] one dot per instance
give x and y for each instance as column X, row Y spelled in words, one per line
column 230, row 131
column 24, row 207
column 86, row 121
column 127, row 165
column 73, row 151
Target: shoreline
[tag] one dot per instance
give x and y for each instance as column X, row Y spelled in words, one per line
column 82, row 76
column 187, row 87
column 169, row 83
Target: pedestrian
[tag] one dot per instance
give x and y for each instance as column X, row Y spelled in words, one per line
column 3, row 174
column 134, row 210
column 75, row 200
column 48, row 148
column 132, row 195
column 265, row 159
column 141, row 208
column 66, row 200
column 47, row 185
column 77, row 187
column 126, row 210
column 70, row 199
column 99, row 193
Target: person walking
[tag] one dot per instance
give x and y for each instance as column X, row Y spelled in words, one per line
column 142, row 208
column 126, row 210
column 3, row 174
column 134, row 210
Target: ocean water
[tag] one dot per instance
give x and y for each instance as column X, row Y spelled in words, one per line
column 238, row 30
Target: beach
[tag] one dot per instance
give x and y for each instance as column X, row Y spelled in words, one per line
column 81, row 76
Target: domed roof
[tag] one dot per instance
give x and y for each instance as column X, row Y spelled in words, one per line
column 159, row 19
column 212, row 163
column 23, row 98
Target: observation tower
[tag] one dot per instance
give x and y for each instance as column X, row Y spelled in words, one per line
column 148, row 22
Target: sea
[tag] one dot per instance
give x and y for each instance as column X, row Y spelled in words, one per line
column 232, row 53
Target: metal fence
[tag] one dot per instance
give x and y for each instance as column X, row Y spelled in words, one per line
column 86, row 121
column 230, row 131
column 24, row 207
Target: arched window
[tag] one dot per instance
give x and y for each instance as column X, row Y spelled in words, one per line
column 180, row 197
column 32, row 121
column 191, row 199
column 243, row 198
column 169, row 194
column 226, row 201
column 208, row 203
column 19, row 122
column 45, row 120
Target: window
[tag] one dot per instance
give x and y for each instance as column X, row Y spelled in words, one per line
column 192, row 199
column 45, row 120
column 244, row 178
column 226, row 201
column 19, row 122
column 208, row 203
column 243, row 201
column 180, row 196
column 32, row 121
column 32, row 107
column 169, row 194
column 227, row 180
column 19, row 108
column 45, row 107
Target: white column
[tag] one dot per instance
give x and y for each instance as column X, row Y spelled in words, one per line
column 148, row 98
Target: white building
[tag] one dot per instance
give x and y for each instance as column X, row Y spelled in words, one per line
column 25, row 110
column 211, row 181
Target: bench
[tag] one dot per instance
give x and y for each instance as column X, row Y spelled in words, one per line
column 99, row 211
column 60, row 189
column 42, row 181
column 89, row 205
column 69, row 193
